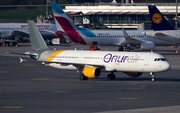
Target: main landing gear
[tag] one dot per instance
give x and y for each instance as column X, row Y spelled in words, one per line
column 153, row 76
column 111, row 76
column 7, row 43
column 127, row 48
column 82, row 77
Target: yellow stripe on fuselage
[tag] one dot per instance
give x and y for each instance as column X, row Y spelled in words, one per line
column 53, row 55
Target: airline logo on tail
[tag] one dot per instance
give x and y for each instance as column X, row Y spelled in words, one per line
column 64, row 24
column 158, row 20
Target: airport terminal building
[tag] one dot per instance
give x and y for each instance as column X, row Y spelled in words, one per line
column 117, row 15
column 95, row 15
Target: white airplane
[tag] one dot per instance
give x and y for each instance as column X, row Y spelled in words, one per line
column 163, row 30
column 17, row 32
column 90, row 63
column 81, row 35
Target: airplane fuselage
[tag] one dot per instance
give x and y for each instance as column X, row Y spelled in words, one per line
column 111, row 61
column 19, row 30
column 116, row 37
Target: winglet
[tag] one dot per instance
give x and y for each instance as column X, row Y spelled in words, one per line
column 159, row 22
column 37, row 41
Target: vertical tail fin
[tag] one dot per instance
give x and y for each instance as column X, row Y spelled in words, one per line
column 158, row 20
column 37, row 41
column 64, row 24
column 62, row 20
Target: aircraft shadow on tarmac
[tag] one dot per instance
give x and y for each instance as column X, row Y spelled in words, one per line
column 161, row 79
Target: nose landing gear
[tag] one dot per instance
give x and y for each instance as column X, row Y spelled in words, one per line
column 153, row 76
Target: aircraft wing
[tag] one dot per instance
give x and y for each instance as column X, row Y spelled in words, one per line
column 49, row 31
column 137, row 43
column 20, row 32
column 61, row 32
column 10, row 34
column 129, row 39
column 76, row 64
column 163, row 36
column 25, row 33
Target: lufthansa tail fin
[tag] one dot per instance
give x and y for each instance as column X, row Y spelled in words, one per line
column 37, row 41
column 159, row 22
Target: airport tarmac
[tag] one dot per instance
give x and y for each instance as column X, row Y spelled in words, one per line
column 31, row 87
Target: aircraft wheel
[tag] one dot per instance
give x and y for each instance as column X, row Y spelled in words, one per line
column 128, row 49
column 121, row 48
column 7, row 43
column 153, row 79
column 82, row 77
column 14, row 43
column 111, row 76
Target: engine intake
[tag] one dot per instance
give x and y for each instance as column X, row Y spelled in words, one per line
column 91, row 72
column 134, row 74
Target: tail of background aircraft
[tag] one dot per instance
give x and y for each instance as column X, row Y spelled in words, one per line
column 158, row 20
column 64, row 24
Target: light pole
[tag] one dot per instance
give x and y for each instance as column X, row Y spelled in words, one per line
column 176, row 18
column 47, row 1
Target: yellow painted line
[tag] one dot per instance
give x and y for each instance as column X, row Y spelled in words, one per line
column 127, row 98
column 29, row 65
column 135, row 88
column 3, row 72
column 51, row 57
column 12, row 107
column 59, row 91
column 135, row 83
column 40, row 78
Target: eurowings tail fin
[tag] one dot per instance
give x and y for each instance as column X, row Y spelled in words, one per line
column 159, row 22
column 64, row 24
column 37, row 41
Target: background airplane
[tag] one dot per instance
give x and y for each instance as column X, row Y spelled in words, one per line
column 18, row 32
column 163, row 30
column 90, row 63
column 69, row 31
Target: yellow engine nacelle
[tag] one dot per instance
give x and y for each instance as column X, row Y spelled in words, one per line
column 91, row 72
column 134, row 74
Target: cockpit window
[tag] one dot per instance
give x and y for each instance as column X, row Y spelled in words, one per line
column 160, row 59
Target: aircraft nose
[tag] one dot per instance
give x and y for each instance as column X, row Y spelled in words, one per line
column 166, row 66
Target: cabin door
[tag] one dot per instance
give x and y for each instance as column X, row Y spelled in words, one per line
column 146, row 61
column 81, row 58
